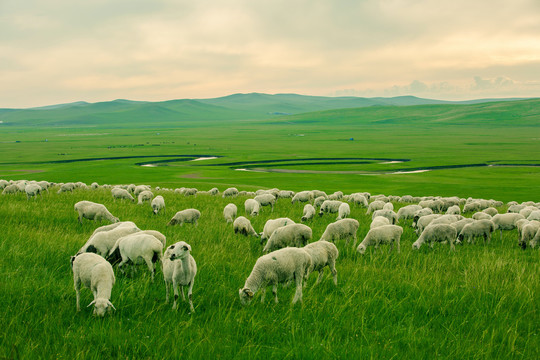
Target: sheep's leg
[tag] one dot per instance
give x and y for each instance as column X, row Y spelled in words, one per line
column 298, row 295
column 190, row 293
column 77, row 285
column 263, row 294
column 166, row 292
column 175, row 289
column 122, row 263
column 355, row 240
column 182, row 292
column 274, row 291
column 397, row 245
column 319, row 278
column 332, row 266
column 150, row 265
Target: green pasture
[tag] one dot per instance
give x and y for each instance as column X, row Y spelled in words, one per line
column 479, row 302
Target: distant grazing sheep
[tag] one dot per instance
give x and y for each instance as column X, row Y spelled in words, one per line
column 252, row 207
column 158, row 204
column 296, row 235
column 309, row 212
column 145, row 195
column 385, row 234
column 93, row 211
column 341, row 229
column 243, row 226
column 436, row 233
column 190, row 216
column 118, row 193
column 229, row 212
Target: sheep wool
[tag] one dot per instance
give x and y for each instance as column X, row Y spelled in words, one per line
column 323, row 253
column 190, row 216
column 93, row 211
column 158, row 204
column 243, row 226
column 179, row 269
column 436, row 233
column 138, row 248
column 341, row 229
column 229, row 212
column 252, row 207
column 385, row 234
column 308, row 213
column 273, row 224
column 294, row 235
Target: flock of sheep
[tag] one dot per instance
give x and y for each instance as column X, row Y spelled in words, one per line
column 288, row 253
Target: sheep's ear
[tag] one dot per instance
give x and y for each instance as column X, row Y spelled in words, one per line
column 111, row 305
column 92, row 303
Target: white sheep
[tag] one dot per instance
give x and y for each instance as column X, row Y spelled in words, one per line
column 344, row 211
column 407, row 212
column 308, row 213
column 155, row 234
column 389, row 214
column 140, row 188
column 66, row 187
column 93, row 211
column 252, row 207
column 341, row 229
column 379, row 221
column 453, row 210
column 189, row 192
column 319, row 201
column 137, row 248
column 230, row 192
column 229, row 212
column 419, row 213
column 294, row 235
column 491, row 211
column 535, row 240
column 10, row 189
column 102, row 242
column 446, row 219
column 32, row 190
column 423, row 222
column 436, row 233
column 528, row 233
column 323, row 253
column 458, row 225
column 266, row 200
column 375, row 205
column 506, row 221
column 330, row 206
column 278, row 267
column 213, row 191
column 385, row 234
column 158, row 204
column 388, row 206
column 480, row 228
column 143, row 196
column 243, row 226
column 185, row 216
column 179, row 269
column 527, row 211
column 480, row 215
column 302, row 196
column 273, row 224
column 358, row 199
column 534, row 215
column 118, row 193
column 95, row 273
column 285, row 194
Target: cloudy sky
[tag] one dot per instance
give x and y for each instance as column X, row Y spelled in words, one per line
column 56, row 51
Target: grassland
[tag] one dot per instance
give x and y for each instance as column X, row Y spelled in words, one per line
column 477, row 303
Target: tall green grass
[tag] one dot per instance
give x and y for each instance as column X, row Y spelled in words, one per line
column 479, row 302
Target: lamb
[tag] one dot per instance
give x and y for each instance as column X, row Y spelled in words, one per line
column 243, row 226
column 266, row 200
column 302, row 196
column 230, row 192
column 158, row 204
column 385, row 234
column 436, row 233
column 95, row 273
column 389, row 214
column 103, row 241
column 272, row 225
column 453, row 210
column 379, row 221
column 480, row 215
column 323, row 253
column 506, row 221
column 407, row 212
column 309, row 212
column 294, row 235
column 278, row 267
column 528, row 233
column 330, row 206
column 32, row 190
column 375, row 205
column 179, row 268
column 252, row 207
column 478, row 228
column 344, row 211
column 229, row 212
column 185, row 216
column 145, row 195
column 118, row 193
column 341, row 229
column 93, row 211
column 137, row 248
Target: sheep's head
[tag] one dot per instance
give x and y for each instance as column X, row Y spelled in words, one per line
column 416, row 245
column 101, row 306
column 461, row 237
column 246, row 295
column 179, row 250
column 361, row 249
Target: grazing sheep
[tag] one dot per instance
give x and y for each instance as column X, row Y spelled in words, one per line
column 32, row 190
column 272, row 225
column 278, row 267
column 252, row 207
column 330, row 206
column 230, row 192
column 243, row 226
column 145, row 195
column 389, row 214
column 436, row 233
column 458, row 225
column 213, row 191
column 118, row 193
column 534, row 215
column 480, row 215
column 93, row 211
column 478, row 228
column 179, row 268
column 341, row 229
column 375, row 205
column 66, row 187
column 285, row 194
column 323, row 253
column 379, row 221
column 506, row 221
column 516, row 208
column 358, row 199
column 302, row 196
column 528, row 233
column 140, row 188
column 535, row 240
column 189, row 192
column 137, row 248
column 388, row 206
column 155, row 234
column 3, row 183
column 309, row 212
column 266, row 200
column 229, row 212
column 527, row 211
column 294, row 235
column 424, row 221
column 10, row 189
column 319, row 201
column 158, row 204
column 418, row 214
column 385, row 234
column 446, row 219
column 95, row 273
column 185, row 216
column 453, row 210
column 491, row 211
column 407, row 212
column 435, row 205
column 103, row 241
column 344, row 211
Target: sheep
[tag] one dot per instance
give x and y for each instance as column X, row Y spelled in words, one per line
column 309, row 212
column 446, row 219
column 480, row 215
column 389, row 214
column 66, row 187
column 143, row 196
column 528, row 233
column 179, row 268
column 491, row 211
column 32, row 190
column 230, row 192
column 140, row 188
column 302, row 196
column 474, row 206
column 527, row 211
column 453, row 210
column 285, row 194
column 272, row 225
column 330, row 206
column 436, row 233
column 358, row 199
column 243, row 226
column 319, row 201
column 388, row 206
column 407, row 212
column 278, row 267
column 534, row 215
column 295, row 235
column 10, row 189
column 266, row 200
column 435, row 205
column 341, row 229
column 458, row 225
column 93, row 211
column 3, row 183
column 158, row 204
column 535, row 240
column 103, row 241
column 379, row 221
column 477, row 228
column 385, row 234
column 424, row 221
column 155, row 234
column 213, row 191
column 323, row 253
column 335, row 196
column 344, row 211
column 375, row 205
column 229, row 212
column 118, row 193
column 95, row 273
column 186, row 216
column 189, row 192
column 137, row 248
column 112, row 226
column 252, row 207
column 418, row 214
column 506, row 221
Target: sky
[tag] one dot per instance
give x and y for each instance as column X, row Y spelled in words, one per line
column 60, row 51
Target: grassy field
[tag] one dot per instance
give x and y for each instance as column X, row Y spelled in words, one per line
column 479, row 302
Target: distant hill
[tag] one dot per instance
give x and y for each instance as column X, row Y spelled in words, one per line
column 194, row 112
